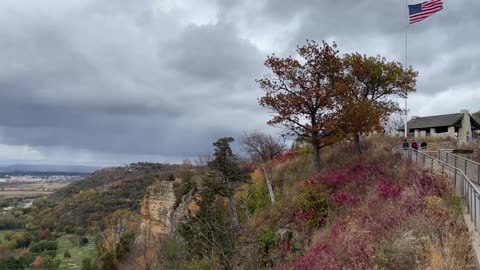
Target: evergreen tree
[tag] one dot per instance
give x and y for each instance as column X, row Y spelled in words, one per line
column 225, row 175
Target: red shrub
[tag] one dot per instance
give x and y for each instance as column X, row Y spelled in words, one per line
column 378, row 208
column 337, row 228
column 350, row 250
column 427, row 185
column 360, row 172
column 282, row 157
column 343, row 198
column 336, row 178
column 387, row 189
column 315, row 257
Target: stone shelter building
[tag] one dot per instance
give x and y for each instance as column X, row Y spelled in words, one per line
column 461, row 126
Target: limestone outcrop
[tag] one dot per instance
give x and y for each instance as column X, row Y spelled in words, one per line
column 158, row 207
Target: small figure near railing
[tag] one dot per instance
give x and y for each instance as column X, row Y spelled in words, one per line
column 415, row 145
column 405, row 145
column 424, row 146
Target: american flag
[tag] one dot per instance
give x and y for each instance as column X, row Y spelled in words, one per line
column 421, row 11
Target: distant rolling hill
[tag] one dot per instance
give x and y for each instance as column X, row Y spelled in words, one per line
column 88, row 201
column 48, row 168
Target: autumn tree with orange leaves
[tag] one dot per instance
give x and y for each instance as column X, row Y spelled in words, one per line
column 370, row 82
column 303, row 94
column 323, row 97
column 38, row 262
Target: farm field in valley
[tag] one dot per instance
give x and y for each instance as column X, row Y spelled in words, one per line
column 28, row 190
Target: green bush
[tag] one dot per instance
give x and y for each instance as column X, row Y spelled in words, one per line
column 257, row 196
column 266, row 240
column 87, row 264
column 80, row 231
column 50, row 263
column 22, row 239
column 27, row 258
column 173, row 253
column 8, row 245
column 9, row 223
column 11, row 263
column 455, row 205
column 49, row 253
column 42, row 246
column 69, row 229
column 314, row 200
column 199, row 264
column 67, row 254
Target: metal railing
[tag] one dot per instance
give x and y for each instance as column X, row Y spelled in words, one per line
column 462, row 184
column 469, row 167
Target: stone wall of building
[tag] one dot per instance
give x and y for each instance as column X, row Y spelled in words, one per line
column 465, row 132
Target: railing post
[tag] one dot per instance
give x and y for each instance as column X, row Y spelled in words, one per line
column 478, row 174
column 475, row 210
column 455, row 172
column 466, row 167
column 470, row 201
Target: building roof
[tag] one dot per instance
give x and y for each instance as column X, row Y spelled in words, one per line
column 445, row 120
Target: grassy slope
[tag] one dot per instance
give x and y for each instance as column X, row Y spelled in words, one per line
column 426, row 230
column 78, row 252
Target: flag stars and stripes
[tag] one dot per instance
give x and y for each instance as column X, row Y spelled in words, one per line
column 421, row 11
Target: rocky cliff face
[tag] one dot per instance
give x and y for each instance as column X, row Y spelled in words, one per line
column 158, row 208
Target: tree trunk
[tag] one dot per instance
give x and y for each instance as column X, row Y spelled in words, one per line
column 247, row 210
column 316, row 157
column 269, row 185
column 356, row 141
column 233, row 213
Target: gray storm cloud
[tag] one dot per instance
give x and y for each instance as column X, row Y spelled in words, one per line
column 165, row 79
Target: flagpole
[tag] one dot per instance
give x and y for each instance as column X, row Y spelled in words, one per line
column 405, row 64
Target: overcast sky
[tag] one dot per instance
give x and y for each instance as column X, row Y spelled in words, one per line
column 114, row 81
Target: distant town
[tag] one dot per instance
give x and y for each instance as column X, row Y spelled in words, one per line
column 43, row 173
column 57, row 178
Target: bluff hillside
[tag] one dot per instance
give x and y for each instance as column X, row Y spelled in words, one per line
column 87, row 202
